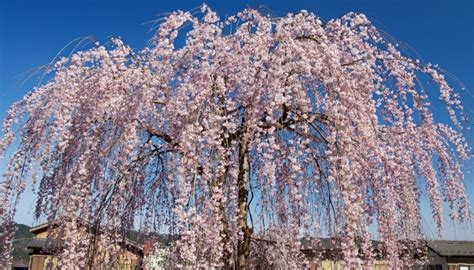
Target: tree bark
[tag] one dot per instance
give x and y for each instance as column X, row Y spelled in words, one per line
column 228, row 262
column 227, row 258
column 243, row 244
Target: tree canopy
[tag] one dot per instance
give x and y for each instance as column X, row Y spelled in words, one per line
column 232, row 133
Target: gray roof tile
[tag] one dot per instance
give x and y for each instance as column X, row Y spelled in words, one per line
column 452, row 248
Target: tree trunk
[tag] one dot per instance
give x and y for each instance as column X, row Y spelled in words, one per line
column 228, row 262
column 227, row 258
column 243, row 243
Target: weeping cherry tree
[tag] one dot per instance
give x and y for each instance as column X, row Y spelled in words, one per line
column 235, row 134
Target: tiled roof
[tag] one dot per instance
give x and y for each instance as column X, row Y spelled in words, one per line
column 44, row 244
column 330, row 244
column 452, row 248
column 39, row 227
column 54, row 244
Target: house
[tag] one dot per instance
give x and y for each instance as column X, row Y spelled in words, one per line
column 450, row 255
column 331, row 254
column 157, row 254
column 441, row 255
column 43, row 249
column 320, row 253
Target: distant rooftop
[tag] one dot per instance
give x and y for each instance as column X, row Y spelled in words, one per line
column 452, row 248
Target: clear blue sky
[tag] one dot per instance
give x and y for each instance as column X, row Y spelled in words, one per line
column 33, row 32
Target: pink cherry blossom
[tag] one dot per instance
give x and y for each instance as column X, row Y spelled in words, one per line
column 256, row 133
